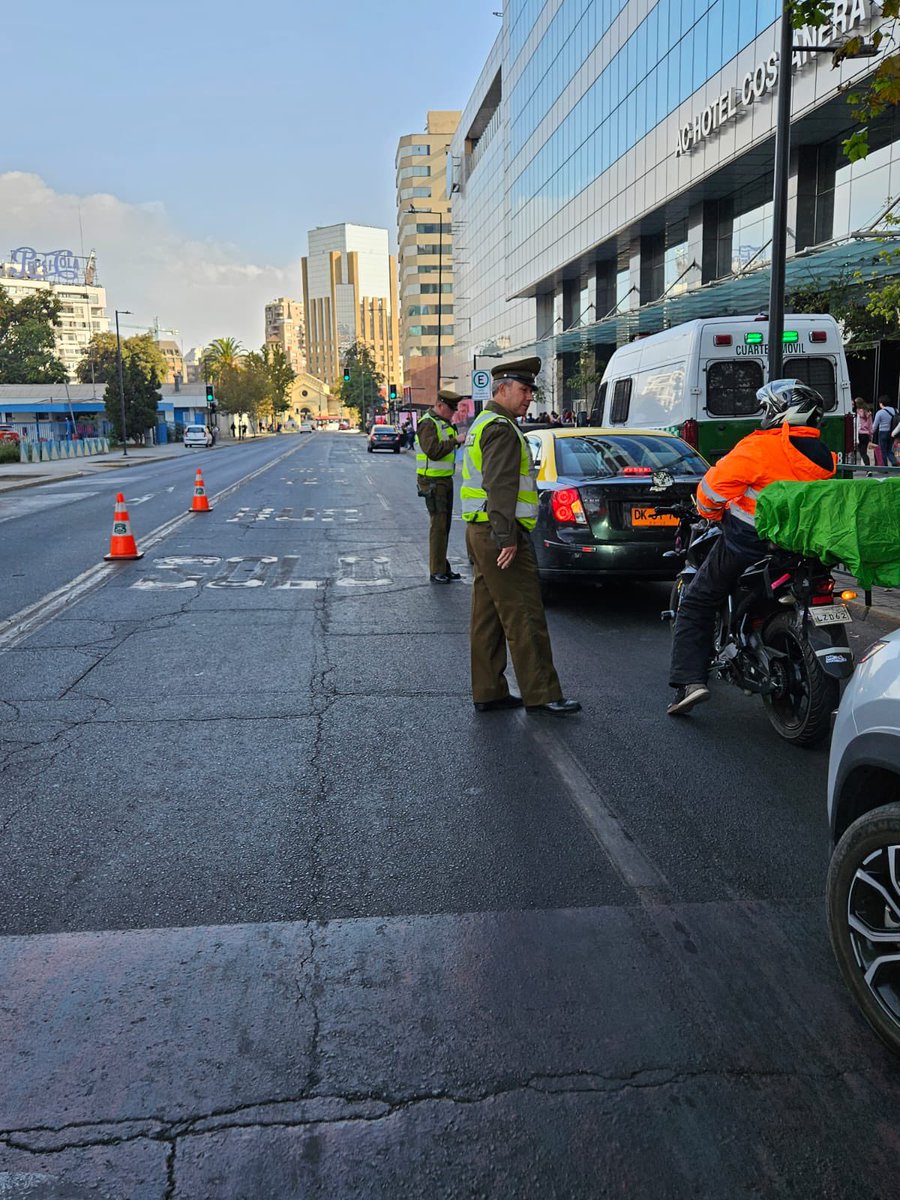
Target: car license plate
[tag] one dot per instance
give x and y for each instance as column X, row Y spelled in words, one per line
column 836, row 614
column 650, row 517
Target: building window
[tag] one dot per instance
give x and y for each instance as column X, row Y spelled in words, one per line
column 417, row 170
column 731, row 388
column 414, row 193
column 405, row 151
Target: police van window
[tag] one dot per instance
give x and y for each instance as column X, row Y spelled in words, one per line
column 621, row 403
column 731, row 388
column 817, row 373
column 599, row 405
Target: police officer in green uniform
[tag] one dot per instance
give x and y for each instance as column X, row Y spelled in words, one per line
column 436, row 442
column 499, row 506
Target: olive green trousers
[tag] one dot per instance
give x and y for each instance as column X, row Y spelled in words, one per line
column 438, row 495
column 507, row 610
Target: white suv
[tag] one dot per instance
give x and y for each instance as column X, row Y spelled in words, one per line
column 197, row 435
column 863, row 889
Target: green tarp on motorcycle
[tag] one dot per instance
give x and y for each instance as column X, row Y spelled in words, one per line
column 850, row 521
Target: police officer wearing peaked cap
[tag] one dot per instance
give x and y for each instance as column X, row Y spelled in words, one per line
column 436, row 443
column 499, row 506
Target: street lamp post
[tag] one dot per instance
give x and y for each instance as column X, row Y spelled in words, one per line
column 440, row 304
column 124, row 312
column 866, row 49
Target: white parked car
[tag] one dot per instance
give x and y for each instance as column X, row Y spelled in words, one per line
column 197, row 435
column 863, row 889
column 307, row 427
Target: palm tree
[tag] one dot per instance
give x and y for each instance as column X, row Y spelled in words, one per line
column 222, row 354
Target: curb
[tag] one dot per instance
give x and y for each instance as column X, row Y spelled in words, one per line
column 14, row 483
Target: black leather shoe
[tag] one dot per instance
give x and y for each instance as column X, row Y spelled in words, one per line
column 558, row 708
column 439, row 578
column 494, row 705
column 454, row 575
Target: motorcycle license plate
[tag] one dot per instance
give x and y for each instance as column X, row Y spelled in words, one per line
column 836, row 614
column 649, row 517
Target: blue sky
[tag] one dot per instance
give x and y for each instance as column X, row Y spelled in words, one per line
column 226, row 129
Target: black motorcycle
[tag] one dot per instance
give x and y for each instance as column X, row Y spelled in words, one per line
column 779, row 635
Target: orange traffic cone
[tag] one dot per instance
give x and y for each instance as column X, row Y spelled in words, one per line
column 122, row 543
column 201, row 504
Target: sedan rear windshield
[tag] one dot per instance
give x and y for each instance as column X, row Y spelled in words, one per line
column 384, row 429
column 601, row 457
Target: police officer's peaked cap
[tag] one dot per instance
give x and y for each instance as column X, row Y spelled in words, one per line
column 522, row 371
column 448, row 396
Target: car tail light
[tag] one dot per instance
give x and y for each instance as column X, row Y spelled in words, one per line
column 722, row 339
column 818, row 335
column 823, row 591
column 848, row 433
column 689, row 432
column 637, row 471
column 566, row 507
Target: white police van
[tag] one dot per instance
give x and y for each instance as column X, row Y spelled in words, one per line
column 700, row 379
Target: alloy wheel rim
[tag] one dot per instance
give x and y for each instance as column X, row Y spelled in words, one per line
column 873, row 923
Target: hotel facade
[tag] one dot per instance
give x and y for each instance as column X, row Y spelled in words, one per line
column 612, row 175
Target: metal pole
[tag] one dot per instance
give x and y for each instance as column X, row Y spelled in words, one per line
column 779, row 197
column 121, row 384
column 440, row 217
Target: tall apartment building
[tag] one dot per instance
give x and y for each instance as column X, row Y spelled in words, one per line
column 286, row 327
column 171, row 353
column 350, row 294
column 425, row 253
column 82, row 313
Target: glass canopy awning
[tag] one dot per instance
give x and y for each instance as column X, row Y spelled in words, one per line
column 744, row 293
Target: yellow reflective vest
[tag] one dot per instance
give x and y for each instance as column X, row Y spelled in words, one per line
column 436, row 468
column 472, row 493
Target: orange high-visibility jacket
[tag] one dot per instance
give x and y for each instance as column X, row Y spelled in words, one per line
column 761, row 458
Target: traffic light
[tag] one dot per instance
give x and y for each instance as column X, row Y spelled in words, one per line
column 392, row 391
column 346, row 374
column 210, row 395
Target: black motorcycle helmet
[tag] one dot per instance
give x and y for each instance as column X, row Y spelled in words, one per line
column 790, row 402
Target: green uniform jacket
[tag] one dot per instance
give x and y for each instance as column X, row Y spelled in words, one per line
column 501, row 458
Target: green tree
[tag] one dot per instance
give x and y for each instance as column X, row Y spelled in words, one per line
column 27, row 344
column 588, row 375
column 222, row 354
column 853, row 301
column 361, row 390
column 279, row 377
column 242, row 385
column 140, row 379
column 882, row 90
column 98, row 363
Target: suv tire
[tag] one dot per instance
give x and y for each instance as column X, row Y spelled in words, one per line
column 864, row 887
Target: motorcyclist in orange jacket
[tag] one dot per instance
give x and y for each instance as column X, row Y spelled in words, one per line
column 786, row 446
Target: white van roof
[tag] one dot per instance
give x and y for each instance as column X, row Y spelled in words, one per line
column 687, row 329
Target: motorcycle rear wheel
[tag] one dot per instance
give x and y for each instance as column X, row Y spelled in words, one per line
column 800, row 707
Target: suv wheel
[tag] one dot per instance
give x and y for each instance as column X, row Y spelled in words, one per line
column 863, row 897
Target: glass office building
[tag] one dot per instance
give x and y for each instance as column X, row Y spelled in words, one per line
column 612, row 174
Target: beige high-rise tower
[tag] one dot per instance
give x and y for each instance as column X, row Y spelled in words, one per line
column 425, row 255
column 349, row 295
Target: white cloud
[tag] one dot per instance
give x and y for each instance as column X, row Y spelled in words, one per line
column 201, row 288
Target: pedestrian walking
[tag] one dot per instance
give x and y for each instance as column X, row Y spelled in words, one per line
column 435, row 464
column 499, row 505
column 863, row 429
column 233, row 429
column 883, row 428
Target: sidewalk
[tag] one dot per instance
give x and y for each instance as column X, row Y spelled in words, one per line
column 23, row 475
column 884, row 600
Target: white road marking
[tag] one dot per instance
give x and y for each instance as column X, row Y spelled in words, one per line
column 35, row 616
column 139, row 499
column 186, row 579
column 351, row 568
column 635, row 869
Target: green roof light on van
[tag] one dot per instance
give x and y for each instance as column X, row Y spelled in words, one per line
column 753, row 339
column 790, row 335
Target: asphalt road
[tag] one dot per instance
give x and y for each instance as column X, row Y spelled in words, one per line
column 282, row 916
